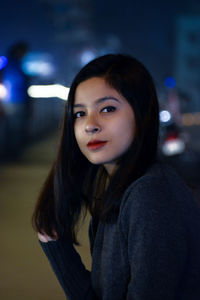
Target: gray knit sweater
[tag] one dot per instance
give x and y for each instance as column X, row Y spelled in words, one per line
column 152, row 252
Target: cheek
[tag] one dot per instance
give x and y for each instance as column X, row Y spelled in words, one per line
column 131, row 126
column 126, row 130
column 131, row 130
column 127, row 136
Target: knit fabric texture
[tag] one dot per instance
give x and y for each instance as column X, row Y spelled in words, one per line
column 152, row 252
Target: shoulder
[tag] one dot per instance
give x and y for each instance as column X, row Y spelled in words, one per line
column 159, row 196
column 161, row 182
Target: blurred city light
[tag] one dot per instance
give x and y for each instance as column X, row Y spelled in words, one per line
column 170, row 82
column 173, row 147
column 197, row 118
column 48, row 91
column 87, row 56
column 3, row 62
column 165, row 116
column 38, row 64
column 3, row 91
column 191, row 119
column 38, row 68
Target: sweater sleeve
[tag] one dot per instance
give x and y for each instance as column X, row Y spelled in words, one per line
column 156, row 243
column 69, row 269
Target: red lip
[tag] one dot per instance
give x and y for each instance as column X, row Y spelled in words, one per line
column 96, row 144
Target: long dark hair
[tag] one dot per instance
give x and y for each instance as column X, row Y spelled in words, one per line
column 73, row 182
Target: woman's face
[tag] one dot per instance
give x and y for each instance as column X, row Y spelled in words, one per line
column 104, row 123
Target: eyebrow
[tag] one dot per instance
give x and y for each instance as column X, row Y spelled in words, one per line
column 100, row 100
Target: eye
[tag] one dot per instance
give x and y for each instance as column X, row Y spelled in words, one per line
column 108, row 109
column 79, row 114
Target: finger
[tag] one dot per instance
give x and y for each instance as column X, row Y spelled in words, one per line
column 43, row 238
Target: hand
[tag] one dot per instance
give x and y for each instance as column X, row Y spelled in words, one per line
column 44, row 238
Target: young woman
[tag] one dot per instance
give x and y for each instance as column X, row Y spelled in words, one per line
column 145, row 226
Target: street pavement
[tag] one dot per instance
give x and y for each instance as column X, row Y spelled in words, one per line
column 25, row 273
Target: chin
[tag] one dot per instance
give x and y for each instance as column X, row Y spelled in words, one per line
column 96, row 162
column 102, row 161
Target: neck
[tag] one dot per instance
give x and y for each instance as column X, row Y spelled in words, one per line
column 111, row 169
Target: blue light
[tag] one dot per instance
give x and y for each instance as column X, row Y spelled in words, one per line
column 87, row 56
column 170, row 82
column 38, row 64
column 165, row 116
column 3, row 62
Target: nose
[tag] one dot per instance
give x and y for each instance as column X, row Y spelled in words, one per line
column 92, row 125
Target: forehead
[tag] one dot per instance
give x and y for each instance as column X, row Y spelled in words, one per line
column 94, row 88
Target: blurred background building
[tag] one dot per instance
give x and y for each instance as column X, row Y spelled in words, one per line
column 187, row 60
column 73, row 30
column 74, row 26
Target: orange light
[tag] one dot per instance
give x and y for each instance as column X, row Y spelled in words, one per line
column 188, row 119
column 197, row 118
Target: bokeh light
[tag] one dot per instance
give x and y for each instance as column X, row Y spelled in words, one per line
column 3, row 62
column 165, row 116
column 38, row 64
column 170, row 82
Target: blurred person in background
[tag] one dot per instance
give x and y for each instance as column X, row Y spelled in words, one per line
column 16, row 104
column 144, row 230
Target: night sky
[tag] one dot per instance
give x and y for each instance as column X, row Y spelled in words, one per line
column 145, row 29
column 24, row 20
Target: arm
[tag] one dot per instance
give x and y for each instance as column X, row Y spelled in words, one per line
column 156, row 243
column 69, row 269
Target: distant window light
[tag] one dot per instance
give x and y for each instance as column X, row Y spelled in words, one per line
column 38, row 68
column 188, row 119
column 38, row 64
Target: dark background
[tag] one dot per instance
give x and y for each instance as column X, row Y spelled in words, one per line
column 145, row 29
